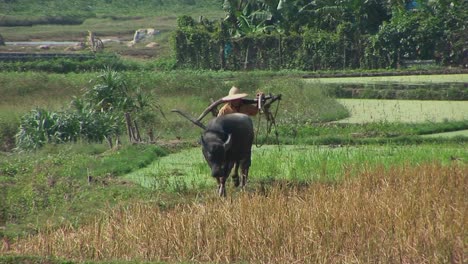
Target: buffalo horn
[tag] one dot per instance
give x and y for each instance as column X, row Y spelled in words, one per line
column 228, row 143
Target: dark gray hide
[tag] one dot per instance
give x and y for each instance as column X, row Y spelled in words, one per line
column 227, row 142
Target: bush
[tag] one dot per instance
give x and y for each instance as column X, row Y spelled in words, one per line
column 40, row 126
column 34, row 130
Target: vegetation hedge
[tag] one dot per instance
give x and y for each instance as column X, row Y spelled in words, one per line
column 458, row 92
column 66, row 65
column 14, row 21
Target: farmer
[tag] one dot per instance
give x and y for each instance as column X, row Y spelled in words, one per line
column 234, row 104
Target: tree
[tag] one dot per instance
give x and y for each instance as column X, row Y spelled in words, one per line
column 113, row 95
column 408, row 35
column 248, row 16
column 453, row 18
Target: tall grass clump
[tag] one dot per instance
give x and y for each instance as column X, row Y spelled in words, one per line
column 9, row 122
column 405, row 214
column 304, row 103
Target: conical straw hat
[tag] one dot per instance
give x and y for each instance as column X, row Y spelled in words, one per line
column 234, row 94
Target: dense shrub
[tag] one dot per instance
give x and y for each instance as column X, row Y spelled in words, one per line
column 40, row 127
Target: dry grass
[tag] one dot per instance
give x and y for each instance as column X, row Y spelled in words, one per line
column 399, row 215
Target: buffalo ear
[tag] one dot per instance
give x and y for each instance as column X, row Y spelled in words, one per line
column 228, row 143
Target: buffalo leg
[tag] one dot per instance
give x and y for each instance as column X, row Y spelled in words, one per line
column 235, row 177
column 244, row 176
column 244, row 165
column 222, row 186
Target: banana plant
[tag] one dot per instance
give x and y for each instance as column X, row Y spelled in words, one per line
column 248, row 16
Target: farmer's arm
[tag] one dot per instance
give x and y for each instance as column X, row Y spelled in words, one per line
column 249, row 109
column 226, row 109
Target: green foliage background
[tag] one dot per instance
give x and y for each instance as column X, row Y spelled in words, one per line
column 255, row 35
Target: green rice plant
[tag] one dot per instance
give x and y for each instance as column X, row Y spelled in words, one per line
column 176, row 172
column 381, row 129
column 295, row 164
column 398, row 90
column 340, row 133
column 128, row 159
column 322, row 163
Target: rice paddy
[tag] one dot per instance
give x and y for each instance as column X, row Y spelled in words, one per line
column 406, row 111
column 187, row 170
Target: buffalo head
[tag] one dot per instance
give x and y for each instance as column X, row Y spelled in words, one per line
column 215, row 152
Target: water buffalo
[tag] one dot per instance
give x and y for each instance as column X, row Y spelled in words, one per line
column 227, row 142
